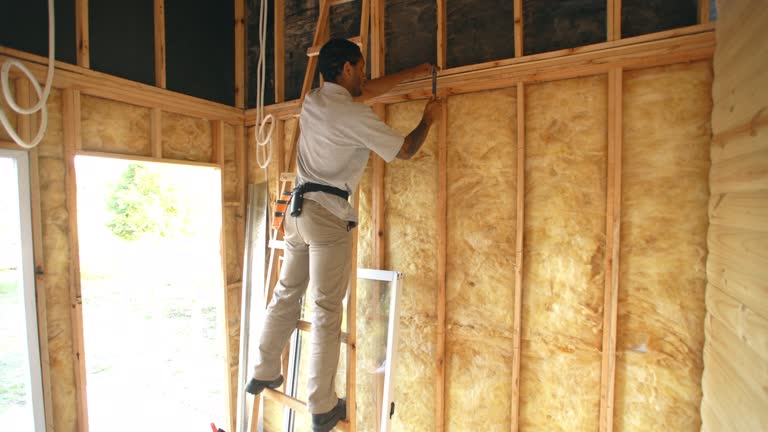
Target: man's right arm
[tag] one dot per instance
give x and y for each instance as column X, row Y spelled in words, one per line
column 414, row 140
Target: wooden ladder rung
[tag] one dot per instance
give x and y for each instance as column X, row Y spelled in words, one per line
column 306, row 326
column 315, row 50
column 296, row 405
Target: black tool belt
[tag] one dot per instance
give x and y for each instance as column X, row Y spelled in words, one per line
column 297, row 197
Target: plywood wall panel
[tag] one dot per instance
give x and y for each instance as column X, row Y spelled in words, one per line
column 739, row 146
column 186, row 138
column 738, row 381
column 565, row 204
column 739, row 91
column 663, row 248
column 747, row 326
column 481, row 257
column 114, row 127
column 411, row 224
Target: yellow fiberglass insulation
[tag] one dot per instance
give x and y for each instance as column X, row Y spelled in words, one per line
column 115, row 127
column 665, row 170
column 481, row 230
column 564, row 262
column 410, row 189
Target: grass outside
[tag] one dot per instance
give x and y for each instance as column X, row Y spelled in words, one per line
column 14, row 410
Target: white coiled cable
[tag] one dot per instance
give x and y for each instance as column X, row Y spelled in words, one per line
column 263, row 138
column 42, row 94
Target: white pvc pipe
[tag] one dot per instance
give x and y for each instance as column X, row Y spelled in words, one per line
column 42, row 94
column 263, row 139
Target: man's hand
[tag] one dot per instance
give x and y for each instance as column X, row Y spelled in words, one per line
column 432, row 110
column 414, row 140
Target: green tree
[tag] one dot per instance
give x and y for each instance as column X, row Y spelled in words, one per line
column 141, row 204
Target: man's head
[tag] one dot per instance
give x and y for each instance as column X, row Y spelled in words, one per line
column 341, row 62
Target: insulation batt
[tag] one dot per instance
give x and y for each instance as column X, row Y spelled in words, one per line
column 564, row 262
column 187, row 138
column 115, row 127
column 660, row 331
column 480, row 279
column 410, row 192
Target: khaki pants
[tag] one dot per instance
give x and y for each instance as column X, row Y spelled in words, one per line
column 318, row 253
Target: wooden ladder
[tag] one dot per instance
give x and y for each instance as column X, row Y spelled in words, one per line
column 276, row 244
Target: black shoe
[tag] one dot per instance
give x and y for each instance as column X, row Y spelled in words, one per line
column 327, row 421
column 255, row 386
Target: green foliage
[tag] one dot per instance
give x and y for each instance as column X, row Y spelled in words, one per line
column 142, row 205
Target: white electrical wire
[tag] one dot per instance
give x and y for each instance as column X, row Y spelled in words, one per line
column 263, row 139
column 42, row 94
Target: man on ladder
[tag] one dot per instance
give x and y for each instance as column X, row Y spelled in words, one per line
column 337, row 134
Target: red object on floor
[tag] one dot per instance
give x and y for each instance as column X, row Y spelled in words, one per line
column 214, row 428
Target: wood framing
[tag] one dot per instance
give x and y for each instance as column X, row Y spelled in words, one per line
column 519, row 244
column 83, row 38
column 240, row 52
column 322, row 21
column 378, row 41
column 613, row 20
column 442, row 259
column 663, row 48
column 704, row 11
column 159, row 8
column 122, row 90
column 309, row 74
column 377, row 192
column 352, row 328
column 518, row 11
column 645, row 55
column 442, row 34
column 280, row 51
column 612, row 250
column 365, row 27
column 146, row 158
column 217, row 135
column 72, row 138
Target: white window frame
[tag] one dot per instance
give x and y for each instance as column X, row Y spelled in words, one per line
column 27, row 276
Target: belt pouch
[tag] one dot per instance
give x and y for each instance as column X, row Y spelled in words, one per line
column 297, row 201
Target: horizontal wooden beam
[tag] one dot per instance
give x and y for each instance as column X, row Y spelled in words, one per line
column 296, row 405
column 675, row 46
column 146, row 158
column 122, row 90
column 306, row 327
column 314, row 51
column 688, row 48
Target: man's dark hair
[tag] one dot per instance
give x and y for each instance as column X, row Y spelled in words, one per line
column 334, row 54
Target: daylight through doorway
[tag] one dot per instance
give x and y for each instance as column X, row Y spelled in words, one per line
column 150, row 261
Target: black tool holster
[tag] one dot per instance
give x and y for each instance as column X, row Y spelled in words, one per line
column 297, row 196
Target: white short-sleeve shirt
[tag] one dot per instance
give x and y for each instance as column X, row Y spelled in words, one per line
column 337, row 136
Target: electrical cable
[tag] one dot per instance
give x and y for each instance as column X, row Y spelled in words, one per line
column 263, row 138
column 42, row 94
